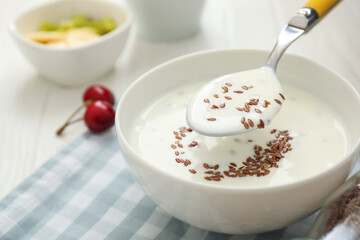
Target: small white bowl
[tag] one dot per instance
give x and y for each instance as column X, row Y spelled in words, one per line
column 73, row 65
column 238, row 209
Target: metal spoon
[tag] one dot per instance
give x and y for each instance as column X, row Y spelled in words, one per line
column 245, row 101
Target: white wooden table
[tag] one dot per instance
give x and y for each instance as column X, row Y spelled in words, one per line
column 31, row 108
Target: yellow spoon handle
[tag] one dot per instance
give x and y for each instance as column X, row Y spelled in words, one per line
column 321, row 6
column 311, row 13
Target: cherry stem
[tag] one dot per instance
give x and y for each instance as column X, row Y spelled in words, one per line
column 68, row 121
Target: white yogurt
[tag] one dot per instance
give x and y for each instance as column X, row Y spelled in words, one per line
column 223, row 107
column 319, row 140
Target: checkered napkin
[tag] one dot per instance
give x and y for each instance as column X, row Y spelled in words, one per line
column 87, row 192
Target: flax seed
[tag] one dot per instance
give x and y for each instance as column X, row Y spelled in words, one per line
column 222, row 105
column 277, row 101
column 228, row 98
column 216, row 96
column 262, row 123
column 193, row 171
column 251, row 123
column 282, row 96
column 247, row 106
column 193, row 144
column 228, row 84
column 258, row 110
column 211, row 119
column 238, row 91
column 173, row 146
column 206, row 100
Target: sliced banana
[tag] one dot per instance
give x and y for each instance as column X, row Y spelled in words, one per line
column 47, row 37
column 60, row 39
column 80, row 35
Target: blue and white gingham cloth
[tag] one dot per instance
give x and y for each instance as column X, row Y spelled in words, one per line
column 87, row 192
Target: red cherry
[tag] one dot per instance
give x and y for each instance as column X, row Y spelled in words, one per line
column 99, row 116
column 91, row 94
column 98, row 92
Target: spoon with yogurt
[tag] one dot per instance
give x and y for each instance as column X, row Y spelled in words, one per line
column 245, row 101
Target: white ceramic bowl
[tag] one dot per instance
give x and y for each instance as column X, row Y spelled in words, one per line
column 74, row 65
column 238, row 209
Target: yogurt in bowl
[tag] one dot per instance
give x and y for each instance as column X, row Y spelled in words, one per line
column 254, row 182
column 284, row 152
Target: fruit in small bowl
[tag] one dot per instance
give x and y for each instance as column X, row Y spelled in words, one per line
column 78, row 30
column 79, row 64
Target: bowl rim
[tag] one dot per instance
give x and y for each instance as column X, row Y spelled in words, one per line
column 354, row 152
column 12, row 26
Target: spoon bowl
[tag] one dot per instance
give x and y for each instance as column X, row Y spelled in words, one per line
column 222, row 112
